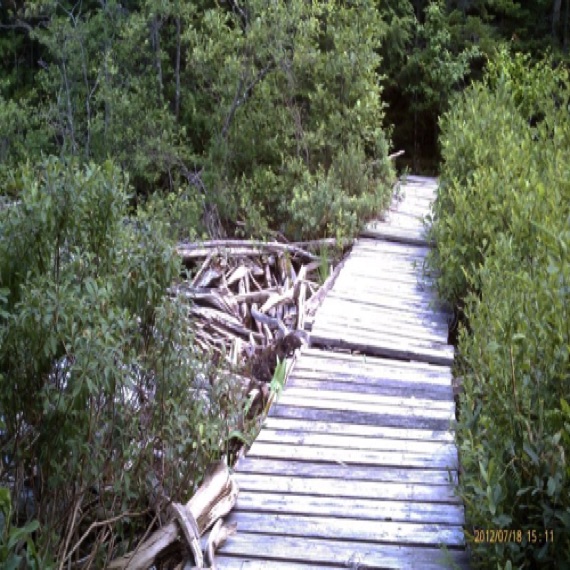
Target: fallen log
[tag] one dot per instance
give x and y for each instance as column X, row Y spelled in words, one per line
column 241, row 247
column 214, row 499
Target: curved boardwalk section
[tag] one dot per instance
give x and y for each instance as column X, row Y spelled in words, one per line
column 355, row 465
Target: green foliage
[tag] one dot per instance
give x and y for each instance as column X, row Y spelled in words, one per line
column 501, row 224
column 297, row 137
column 101, row 392
column 15, row 540
column 505, row 152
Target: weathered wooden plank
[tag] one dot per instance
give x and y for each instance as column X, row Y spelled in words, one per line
column 363, row 373
column 399, row 235
column 370, row 375
column 291, row 437
column 391, row 248
column 384, row 284
column 395, row 298
column 380, row 346
column 401, row 222
column 343, row 305
column 373, row 289
column 325, row 487
column 386, row 388
column 381, row 342
column 389, row 532
column 380, row 405
column 420, row 435
column 352, row 457
column 354, row 473
column 341, row 507
column 359, row 555
column 413, row 209
column 424, row 308
column 240, row 563
column 347, row 398
column 386, row 281
column 362, row 267
column 382, row 253
column 384, row 417
column 344, row 359
column 386, row 259
column 376, row 335
column 384, row 327
column 387, row 277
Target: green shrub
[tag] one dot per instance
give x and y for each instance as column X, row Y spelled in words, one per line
column 500, row 172
column 101, row 392
column 514, row 428
column 302, row 150
column 501, row 225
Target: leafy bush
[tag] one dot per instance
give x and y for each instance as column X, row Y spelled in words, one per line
column 103, row 398
column 506, row 163
column 296, row 143
column 514, row 426
column 501, row 225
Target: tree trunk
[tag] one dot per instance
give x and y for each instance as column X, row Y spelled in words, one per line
column 565, row 31
column 155, row 40
column 556, row 18
column 177, row 71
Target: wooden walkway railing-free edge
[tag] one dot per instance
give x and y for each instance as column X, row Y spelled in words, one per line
column 355, row 466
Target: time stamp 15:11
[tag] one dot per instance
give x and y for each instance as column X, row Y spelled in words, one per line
column 533, row 536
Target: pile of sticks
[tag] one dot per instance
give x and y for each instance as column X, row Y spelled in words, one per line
column 247, row 295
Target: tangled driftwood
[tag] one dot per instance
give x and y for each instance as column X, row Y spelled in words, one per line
column 246, row 296
column 213, row 500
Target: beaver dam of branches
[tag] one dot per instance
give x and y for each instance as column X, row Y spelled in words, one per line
column 252, row 302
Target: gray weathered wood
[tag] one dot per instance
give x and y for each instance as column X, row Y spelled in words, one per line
column 348, row 554
column 355, row 465
column 380, row 345
column 342, row 507
column 386, row 417
column 383, row 387
column 325, row 487
column 348, row 398
column 374, row 531
column 354, row 473
column 356, row 442
column 348, row 360
column 371, row 431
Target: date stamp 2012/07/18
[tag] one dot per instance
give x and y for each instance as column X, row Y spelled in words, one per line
column 532, row 536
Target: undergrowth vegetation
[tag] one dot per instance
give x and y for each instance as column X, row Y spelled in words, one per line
column 103, row 400
column 502, row 224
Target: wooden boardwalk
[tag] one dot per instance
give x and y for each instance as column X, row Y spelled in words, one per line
column 355, row 465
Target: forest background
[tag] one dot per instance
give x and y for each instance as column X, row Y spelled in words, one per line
column 128, row 126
